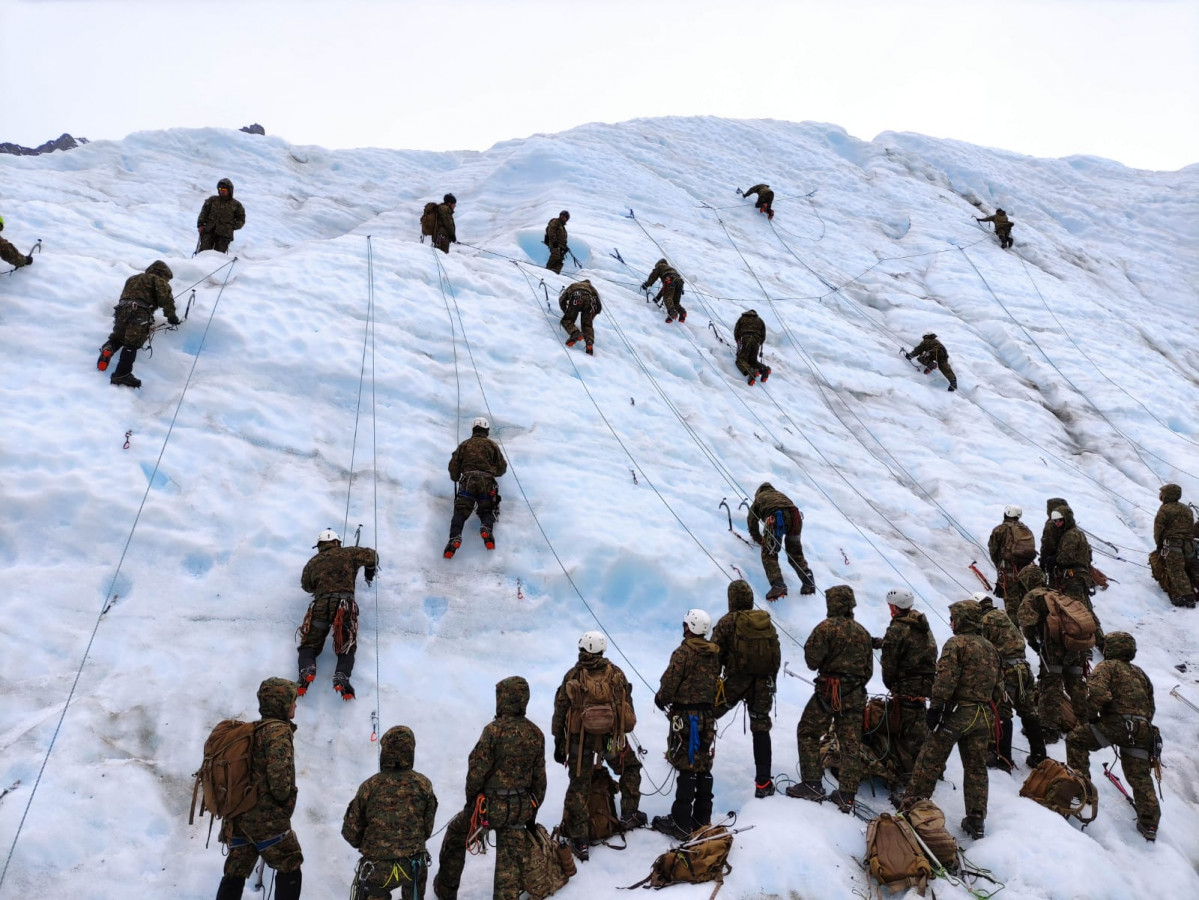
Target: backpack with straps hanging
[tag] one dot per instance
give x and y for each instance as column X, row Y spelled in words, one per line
column 702, row 857
column 1019, row 545
column 597, row 705
column 543, row 867
column 928, row 822
column 1058, row 787
column 226, row 776
column 755, row 648
column 1069, row 622
column 428, row 220
column 894, row 856
column 602, row 822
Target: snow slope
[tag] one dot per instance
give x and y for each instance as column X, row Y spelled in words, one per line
column 1077, row 357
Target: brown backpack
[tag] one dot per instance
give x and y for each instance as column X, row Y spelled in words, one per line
column 1069, row 622
column 598, row 704
column 939, row 845
column 543, row 870
column 428, row 220
column 225, row 774
column 1019, row 545
column 1058, row 787
column 893, row 855
column 702, row 857
column 755, row 648
column 602, row 822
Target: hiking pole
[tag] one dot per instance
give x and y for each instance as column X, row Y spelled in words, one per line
column 787, row 671
column 981, row 576
column 1174, row 693
column 1114, row 779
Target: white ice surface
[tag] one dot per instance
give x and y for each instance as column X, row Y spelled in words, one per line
column 1078, row 378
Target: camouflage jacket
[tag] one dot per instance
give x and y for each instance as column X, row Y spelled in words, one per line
column 335, row 569
column 222, row 215
column 909, row 655
column 11, row 254
column 766, row 501
column 555, row 233
column 1049, row 534
column 666, row 272
column 1116, row 687
column 1174, row 520
column 751, row 326
column 445, row 223
column 724, row 633
column 967, row 672
column 689, row 681
column 478, row 453
column 272, row 763
column 391, row 816
column 933, row 349
column 510, row 753
column 1000, row 220
column 580, row 295
column 592, row 662
column 999, row 542
column 765, row 194
column 151, row 291
column 839, row 646
column 1003, row 634
column 1073, row 550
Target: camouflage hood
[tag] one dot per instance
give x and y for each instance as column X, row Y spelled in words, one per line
column 397, row 748
column 1053, row 503
column 161, row 269
column 1170, row 493
column 1067, row 516
column 839, row 601
column 590, row 661
column 741, row 596
column 225, row 183
column 1119, row 645
column 1031, row 576
column 966, row 617
column 914, row 619
column 275, row 698
column 511, row 696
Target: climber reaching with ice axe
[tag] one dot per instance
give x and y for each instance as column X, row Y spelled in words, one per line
column 783, row 523
column 13, row 256
column 765, row 198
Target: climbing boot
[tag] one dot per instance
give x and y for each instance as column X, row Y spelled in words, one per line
column 766, row 789
column 488, row 537
column 125, row 380
column 752, row 379
column 974, row 826
column 230, row 888
column 341, row 684
column 683, row 317
column 452, row 546
column 777, row 591
column 844, row 800
column 578, row 846
column 668, row 826
column 634, row 819
column 1148, row 832
column 806, row 790
column 105, row 356
column 287, row 885
column 765, row 373
column 307, row 676
column 1036, row 744
column 953, row 387
column 590, row 348
column 574, row 339
column 669, row 319
column 808, row 589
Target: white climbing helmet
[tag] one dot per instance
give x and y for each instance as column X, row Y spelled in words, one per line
column 982, row 597
column 900, row 598
column 481, row 422
column 1013, row 512
column 593, row 642
column 697, row 621
column 327, row 535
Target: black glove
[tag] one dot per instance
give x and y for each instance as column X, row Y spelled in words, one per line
column 1035, row 643
column 173, row 320
column 29, row 260
column 907, row 355
column 559, row 753
column 876, row 643
column 977, row 219
column 369, row 574
column 934, row 716
column 644, row 286
column 661, row 704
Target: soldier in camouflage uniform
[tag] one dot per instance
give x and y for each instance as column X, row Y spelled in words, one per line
column 757, row 690
column 1072, row 563
column 765, row 198
column 389, row 820
column 1003, row 227
column 839, row 651
column 580, row 300
column 782, row 524
column 556, row 240
column 750, row 335
column 671, row 292
column 506, row 774
column 687, row 694
column 265, row 829
column 474, row 467
column 1019, row 687
column 1121, row 714
column 444, row 231
column 133, row 320
column 966, row 691
column 932, row 354
column 220, row 216
column 329, row 577
column 1006, row 555
column 1060, row 669
column 11, row 254
column 1173, row 527
column 581, row 751
column 909, row 663
column 1049, row 536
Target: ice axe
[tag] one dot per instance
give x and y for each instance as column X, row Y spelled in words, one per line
column 787, row 671
column 725, row 503
column 981, row 577
column 1174, row 693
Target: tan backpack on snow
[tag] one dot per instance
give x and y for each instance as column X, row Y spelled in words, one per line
column 702, row 857
column 1058, row 787
column 928, row 822
column 894, row 856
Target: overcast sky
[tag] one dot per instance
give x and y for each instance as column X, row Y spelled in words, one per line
column 1113, row 78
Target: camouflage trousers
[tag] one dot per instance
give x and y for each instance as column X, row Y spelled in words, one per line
column 377, row 878
column 512, row 848
column 670, row 295
column 624, row 763
column 972, row 728
column 1019, row 691
column 557, row 258
column 1137, row 771
column 283, row 856
column 588, row 318
column 442, row 242
column 758, row 693
column 210, row 241
column 312, row 642
column 477, row 493
column 794, row 550
column 821, row 714
column 689, row 743
column 748, row 362
column 1181, row 567
column 131, row 326
column 909, row 737
column 1052, row 680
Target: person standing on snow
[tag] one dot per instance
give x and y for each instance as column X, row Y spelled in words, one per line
column 220, row 216
column 556, row 240
column 133, row 320
column 444, row 230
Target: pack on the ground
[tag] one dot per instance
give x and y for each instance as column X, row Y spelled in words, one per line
column 755, row 644
column 1058, row 787
column 928, row 822
column 702, row 857
column 1019, row 545
column 1070, row 623
column 894, row 857
column 602, row 822
column 543, row 869
column 428, row 219
column 225, row 774
column 595, row 707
